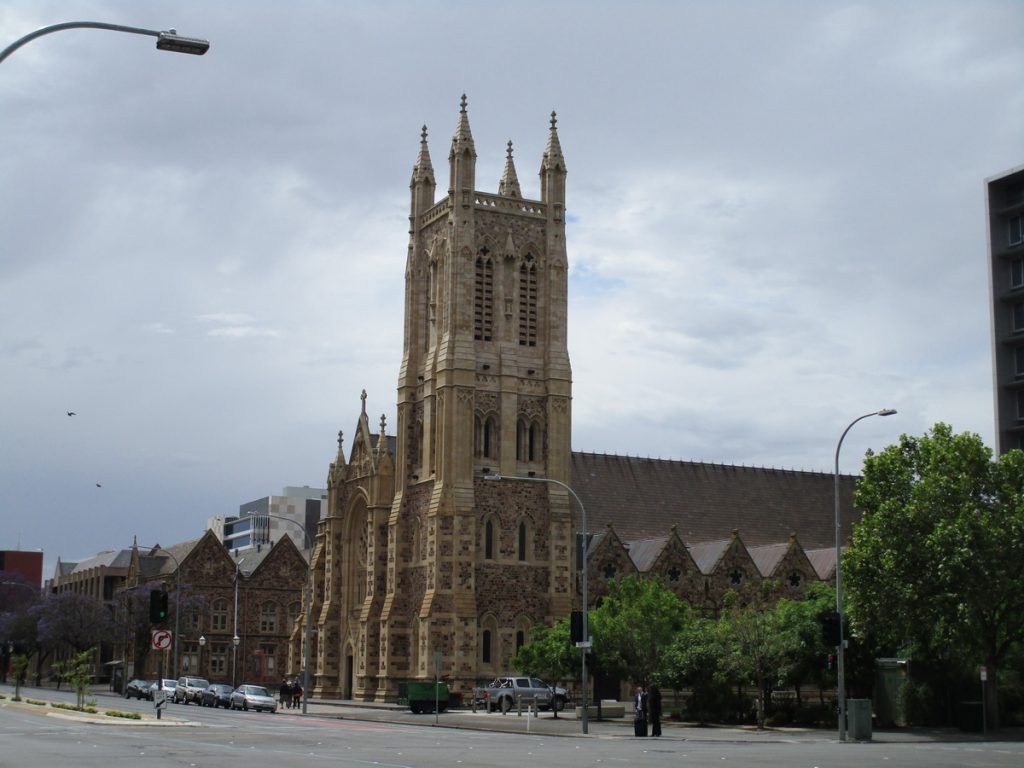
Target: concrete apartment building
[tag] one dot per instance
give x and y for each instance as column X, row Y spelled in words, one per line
column 1005, row 193
column 295, row 513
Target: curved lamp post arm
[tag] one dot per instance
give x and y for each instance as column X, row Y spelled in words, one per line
column 309, row 607
column 167, row 40
column 840, row 662
column 583, row 568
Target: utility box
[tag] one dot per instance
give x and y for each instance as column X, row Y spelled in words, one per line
column 858, row 719
column 423, row 696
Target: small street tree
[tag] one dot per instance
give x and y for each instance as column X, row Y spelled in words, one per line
column 634, row 625
column 549, row 654
column 937, row 563
column 694, row 660
column 803, row 650
column 755, row 646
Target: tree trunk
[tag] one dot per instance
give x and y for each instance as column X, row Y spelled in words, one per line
column 990, row 694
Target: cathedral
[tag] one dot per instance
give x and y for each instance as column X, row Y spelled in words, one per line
column 423, row 558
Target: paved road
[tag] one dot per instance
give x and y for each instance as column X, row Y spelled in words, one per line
column 32, row 737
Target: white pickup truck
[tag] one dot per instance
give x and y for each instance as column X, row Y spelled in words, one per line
column 507, row 693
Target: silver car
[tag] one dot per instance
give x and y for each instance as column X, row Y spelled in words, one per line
column 253, row 697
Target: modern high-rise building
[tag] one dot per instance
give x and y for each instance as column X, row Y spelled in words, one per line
column 264, row 521
column 1006, row 284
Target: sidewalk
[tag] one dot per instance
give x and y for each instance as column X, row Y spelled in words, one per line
column 547, row 725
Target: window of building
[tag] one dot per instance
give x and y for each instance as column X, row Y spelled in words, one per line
column 219, row 615
column 1016, row 230
column 521, row 544
column 489, row 540
column 795, row 579
column 735, row 576
column 674, row 574
column 268, row 617
column 520, row 639
column 609, row 571
column 193, row 618
column 1018, row 361
column 485, row 646
column 269, row 659
column 1017, row 273
column 218, row 659
column 190, row 659
column 528, row 304
column 1020, row 405
column 483, row 298
column 486, row 437
column 1018, row 317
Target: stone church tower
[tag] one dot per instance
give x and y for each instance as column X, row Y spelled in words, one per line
column 419, row 554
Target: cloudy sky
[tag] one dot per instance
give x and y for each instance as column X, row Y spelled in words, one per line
column 776, row 224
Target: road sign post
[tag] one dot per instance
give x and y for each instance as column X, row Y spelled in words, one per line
column 159, row 700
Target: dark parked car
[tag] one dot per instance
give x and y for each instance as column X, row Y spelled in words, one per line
column 139, row 689
column 217, row 695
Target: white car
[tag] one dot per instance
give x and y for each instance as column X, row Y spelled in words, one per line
column 253, row 697
column 165, row 684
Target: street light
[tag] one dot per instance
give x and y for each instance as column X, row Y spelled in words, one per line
column 235, row 640
column 168, row 40
column 309, row 605
column 840, row 671
column 199, row 666
column 585, row 645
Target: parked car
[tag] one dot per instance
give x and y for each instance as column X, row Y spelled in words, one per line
column 217, row 695
column 506, row 693
column 139, row 689
column 165, row 684
column 190, row 689
column 253, row 697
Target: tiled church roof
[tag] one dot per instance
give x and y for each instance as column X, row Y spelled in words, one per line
column 644, row 498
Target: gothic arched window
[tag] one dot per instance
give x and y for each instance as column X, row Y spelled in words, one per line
column 528, row 304
column 522, row 542
column 489, row 540
column 483, row 298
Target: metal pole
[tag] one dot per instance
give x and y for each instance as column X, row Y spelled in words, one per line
column 167, row 40
column 840, row 652
column 583, row 567
column 234, row 637
column 158, row 550
column 309, row 605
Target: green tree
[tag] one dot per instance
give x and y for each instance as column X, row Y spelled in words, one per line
column 549, row 654
column 937, row 563
column 803, row 650
column 635, row 623
column 694, row 661
column 754, row 645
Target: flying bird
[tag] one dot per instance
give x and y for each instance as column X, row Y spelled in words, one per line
column 72, row 413
column 98, row 485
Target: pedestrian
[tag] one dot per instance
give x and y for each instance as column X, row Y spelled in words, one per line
column 640, row 712
column 285, row 693
column 654, row 709
column 296, row 695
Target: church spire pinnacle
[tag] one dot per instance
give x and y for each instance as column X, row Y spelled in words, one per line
column 553, row 151
column 424, row 169
column 463, row 138
column 509, row 184
column 462, row 160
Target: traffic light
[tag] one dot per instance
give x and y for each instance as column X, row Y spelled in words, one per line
column 830, row 629
column 157, row 606
column 576, row 627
